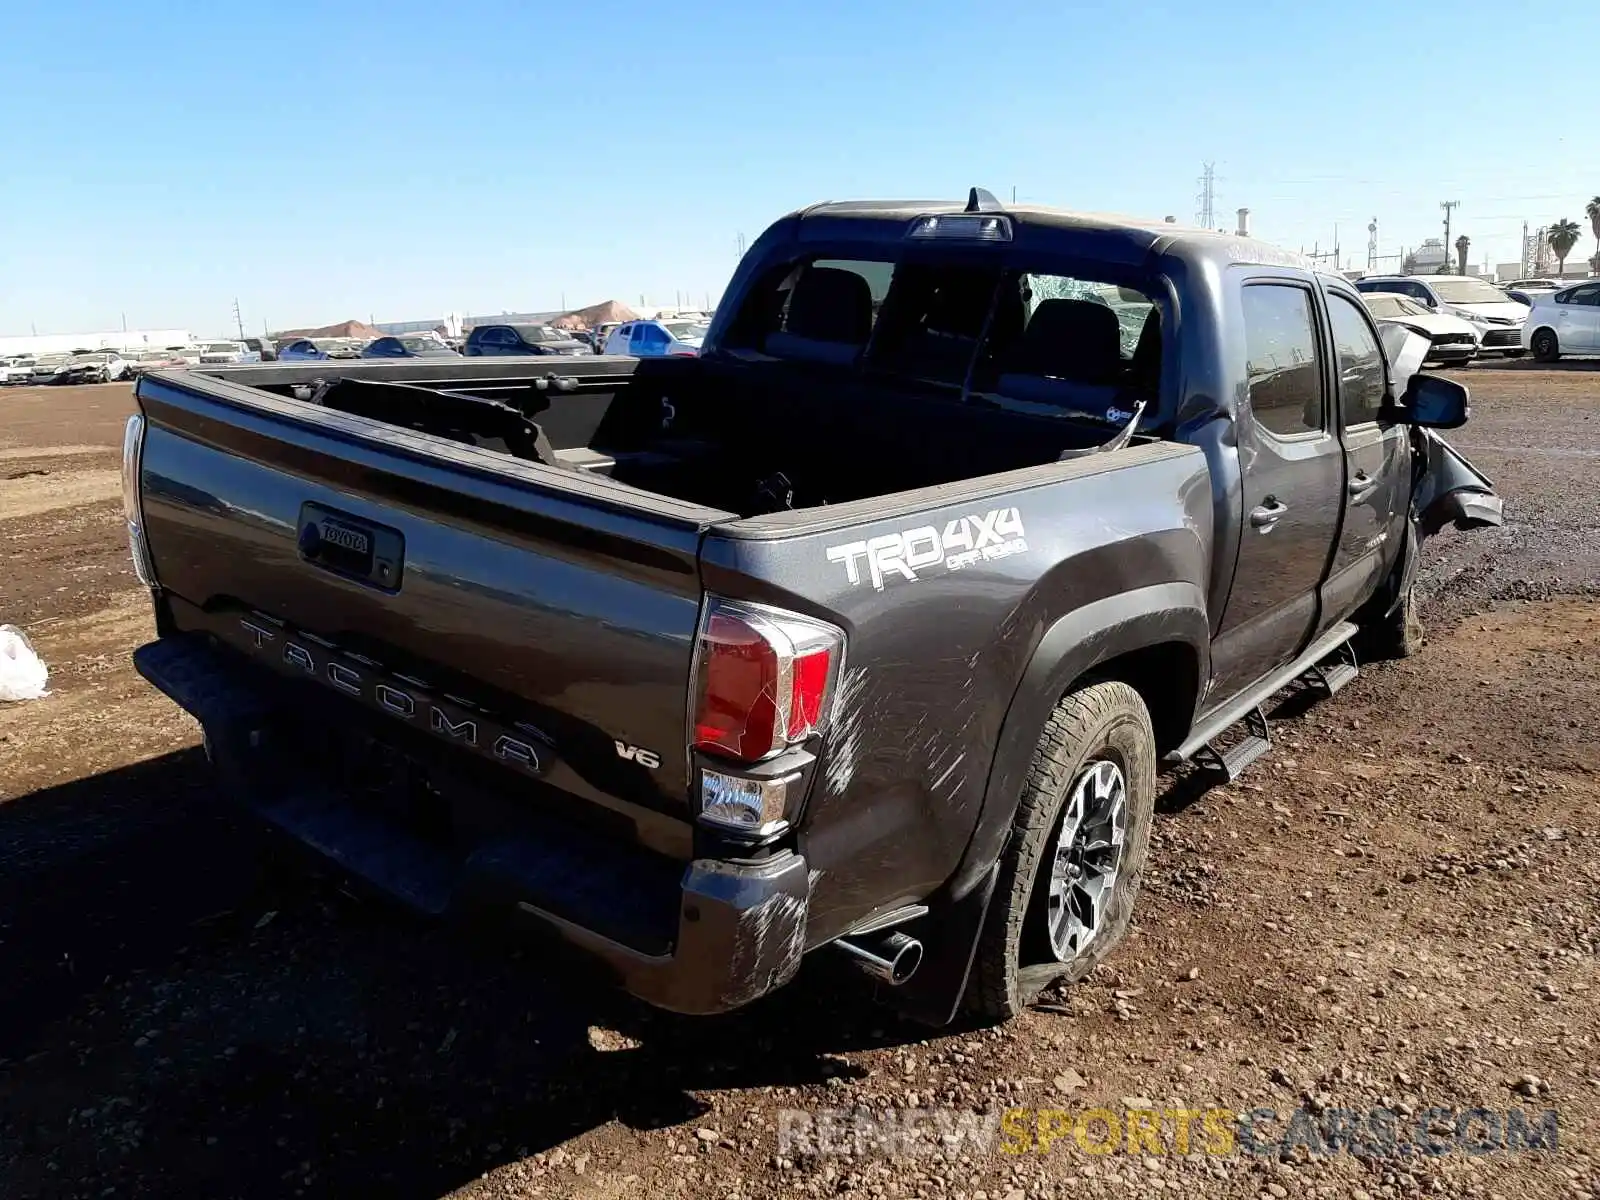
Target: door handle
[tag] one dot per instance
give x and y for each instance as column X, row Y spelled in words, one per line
column 1266, row 516
column 1360, row 484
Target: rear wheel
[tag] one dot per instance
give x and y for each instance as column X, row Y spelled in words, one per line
column 1545, row 346
column 1072, row 865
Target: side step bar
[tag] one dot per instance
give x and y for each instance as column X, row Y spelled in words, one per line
column 1248, row 704
column 1232, row 761
column 1338, row 669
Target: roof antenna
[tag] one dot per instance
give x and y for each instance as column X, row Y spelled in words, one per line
column 979, row 200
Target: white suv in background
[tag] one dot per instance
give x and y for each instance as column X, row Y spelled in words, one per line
column 231, row 353
column 1564, row 322
column 669, row 337
column 1495, row 316
column 17, row 369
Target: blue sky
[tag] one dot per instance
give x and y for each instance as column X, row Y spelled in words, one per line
column 324, row 161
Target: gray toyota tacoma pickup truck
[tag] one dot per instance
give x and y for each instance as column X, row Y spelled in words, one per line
column 870, row 628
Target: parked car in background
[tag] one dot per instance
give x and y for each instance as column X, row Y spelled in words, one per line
column 522, row 339
column 265, row 348
column 657, row 339
column 46, row 365
column 1564, row 322
column 155, row 360
column 17, row 369
column 96, row 366
column 1495, row 316
column 226, row 354
column 1452, row 339
column 602, row 334
column 301, row 350
column 1533, row 285
column 408, row 345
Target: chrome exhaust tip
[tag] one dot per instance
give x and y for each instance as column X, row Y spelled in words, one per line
column 890, row 958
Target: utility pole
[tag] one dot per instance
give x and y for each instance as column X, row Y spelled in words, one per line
column 738, row 243
column 1449, row 206
column 1206, row 217
column 237, row 319
column 1372, row 244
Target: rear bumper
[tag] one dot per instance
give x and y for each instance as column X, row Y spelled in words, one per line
column 700, row 938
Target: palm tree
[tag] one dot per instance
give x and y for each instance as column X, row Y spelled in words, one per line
column 1592, row 211
column 1462, row 244
column 1563, row 236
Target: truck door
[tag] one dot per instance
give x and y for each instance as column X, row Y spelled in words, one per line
column 1377, row 463
column 1292, row 468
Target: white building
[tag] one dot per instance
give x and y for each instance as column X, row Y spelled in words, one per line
column 119, row 339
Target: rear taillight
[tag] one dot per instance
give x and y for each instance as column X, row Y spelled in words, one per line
column 132, row 505
column 763, row 679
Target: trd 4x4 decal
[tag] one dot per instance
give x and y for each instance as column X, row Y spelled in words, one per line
column 965, row 542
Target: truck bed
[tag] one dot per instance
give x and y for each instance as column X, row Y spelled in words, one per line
column 741, row 439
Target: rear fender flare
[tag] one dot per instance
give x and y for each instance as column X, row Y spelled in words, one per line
column 1072, row 647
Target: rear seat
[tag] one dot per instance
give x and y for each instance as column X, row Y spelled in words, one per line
column 829, row 320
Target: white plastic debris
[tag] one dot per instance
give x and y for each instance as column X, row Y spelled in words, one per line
column 22, row 672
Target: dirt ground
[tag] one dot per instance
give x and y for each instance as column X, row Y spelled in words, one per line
column 1398, row 908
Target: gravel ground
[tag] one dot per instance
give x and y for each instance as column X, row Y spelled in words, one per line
column 1397, row 909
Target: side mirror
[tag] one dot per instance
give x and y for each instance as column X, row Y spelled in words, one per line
column 1431, row 402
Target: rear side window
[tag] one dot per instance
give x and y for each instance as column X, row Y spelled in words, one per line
column 1282, row 362
column 1361, row 383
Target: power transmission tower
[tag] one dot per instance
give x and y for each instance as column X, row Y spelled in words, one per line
column 1449, row 206
column 1207, row 199
column 1372, row 245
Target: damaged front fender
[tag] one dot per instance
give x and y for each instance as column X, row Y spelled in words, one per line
column 1449, row 490
column 1452, row 491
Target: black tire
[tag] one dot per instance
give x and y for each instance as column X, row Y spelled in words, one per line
column 1546, row 347
column 1013, row 963
column 1396, row 634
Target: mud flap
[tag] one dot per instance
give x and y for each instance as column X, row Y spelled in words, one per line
column 1452, row 491
column 950, row 932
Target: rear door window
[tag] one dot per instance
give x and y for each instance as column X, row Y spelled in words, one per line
column 1361, row 381
column 1282, row 362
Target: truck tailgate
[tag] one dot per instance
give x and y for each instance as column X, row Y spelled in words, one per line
column 528, row 614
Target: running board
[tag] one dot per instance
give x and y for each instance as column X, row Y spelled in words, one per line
column 1254, row 697
column 1232, row 761
column 1338, row 669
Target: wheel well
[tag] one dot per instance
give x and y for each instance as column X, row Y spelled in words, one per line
column 1544, row 329
column 1167, row 678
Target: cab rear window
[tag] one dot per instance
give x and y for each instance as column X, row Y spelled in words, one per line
column 1036, row 340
